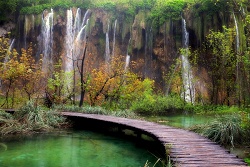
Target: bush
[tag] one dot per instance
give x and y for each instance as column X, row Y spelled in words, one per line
column 210, row 109
column 158, row 104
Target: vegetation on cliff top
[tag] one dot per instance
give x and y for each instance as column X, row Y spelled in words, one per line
column 160, row 9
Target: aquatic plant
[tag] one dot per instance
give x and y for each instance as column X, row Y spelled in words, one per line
column 29, row 118
column 225, row 130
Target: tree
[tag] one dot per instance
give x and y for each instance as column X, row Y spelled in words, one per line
column 222, row 65
column 30, row 80
column 58, row 91
column 19, row 74
column 113, row 86
column 104, row 79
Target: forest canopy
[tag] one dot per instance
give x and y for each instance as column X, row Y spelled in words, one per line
column 160, row 9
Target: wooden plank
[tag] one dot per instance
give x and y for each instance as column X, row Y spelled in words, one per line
column 187, row 148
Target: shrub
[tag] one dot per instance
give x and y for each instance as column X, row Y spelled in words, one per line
column 158, row 104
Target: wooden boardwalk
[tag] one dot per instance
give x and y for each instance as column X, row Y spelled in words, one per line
column 186, row 148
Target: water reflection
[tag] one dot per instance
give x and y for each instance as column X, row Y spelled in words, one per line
column 181, row 120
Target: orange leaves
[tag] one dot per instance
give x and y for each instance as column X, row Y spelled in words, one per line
column 112, row 84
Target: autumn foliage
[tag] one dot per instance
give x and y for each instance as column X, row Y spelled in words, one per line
column 20, row 75
column 114, row 86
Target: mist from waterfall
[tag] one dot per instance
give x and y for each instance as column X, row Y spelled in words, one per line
column 47, row 38
column 188, row 88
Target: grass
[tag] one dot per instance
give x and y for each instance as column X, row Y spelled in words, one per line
column 29, row 118
column 247, row 160
column 225, row 130
column 96, row 110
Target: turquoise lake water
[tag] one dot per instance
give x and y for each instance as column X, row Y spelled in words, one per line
column 72, row 149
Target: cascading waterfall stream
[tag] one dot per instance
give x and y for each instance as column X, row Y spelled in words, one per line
column 72, row 31
column 107, row 49
column 188, row 93
column 77, row 23
column 75, row 43
column 113, row 51
column 69, row 39
column 127, row 61
column 47, row 37
column 237, row 39
column 81, row 36
column 75, row 37
column 9, row 50
column 237, row 35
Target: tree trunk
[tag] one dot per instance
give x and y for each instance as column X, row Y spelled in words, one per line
column 81, row 76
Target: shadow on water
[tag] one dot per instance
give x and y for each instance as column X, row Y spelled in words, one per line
column 73, row 148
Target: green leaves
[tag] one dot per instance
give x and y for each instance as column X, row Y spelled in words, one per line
column 166, row 9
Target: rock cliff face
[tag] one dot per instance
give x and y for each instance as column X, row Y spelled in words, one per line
column 154, row 49
column 7, row 27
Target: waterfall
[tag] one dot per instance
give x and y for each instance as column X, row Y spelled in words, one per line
column 148, row 53
column 237, row 38
column 77, row 23
column 113, row 51
column 9, row 50
column 73, row 27
column 69, row 39
column 188, row 93
column 75, row 37
column 47, row 37
column 11, row 45
column 75, row 43
column 237, row 34
column 107, row 49
column 86, row 15
column 127, row 61
column 81, row 36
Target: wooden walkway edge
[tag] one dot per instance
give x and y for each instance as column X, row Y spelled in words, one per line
column 186, row 148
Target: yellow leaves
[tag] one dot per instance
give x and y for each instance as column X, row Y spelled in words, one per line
column 113, row 82
column 19, row 72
